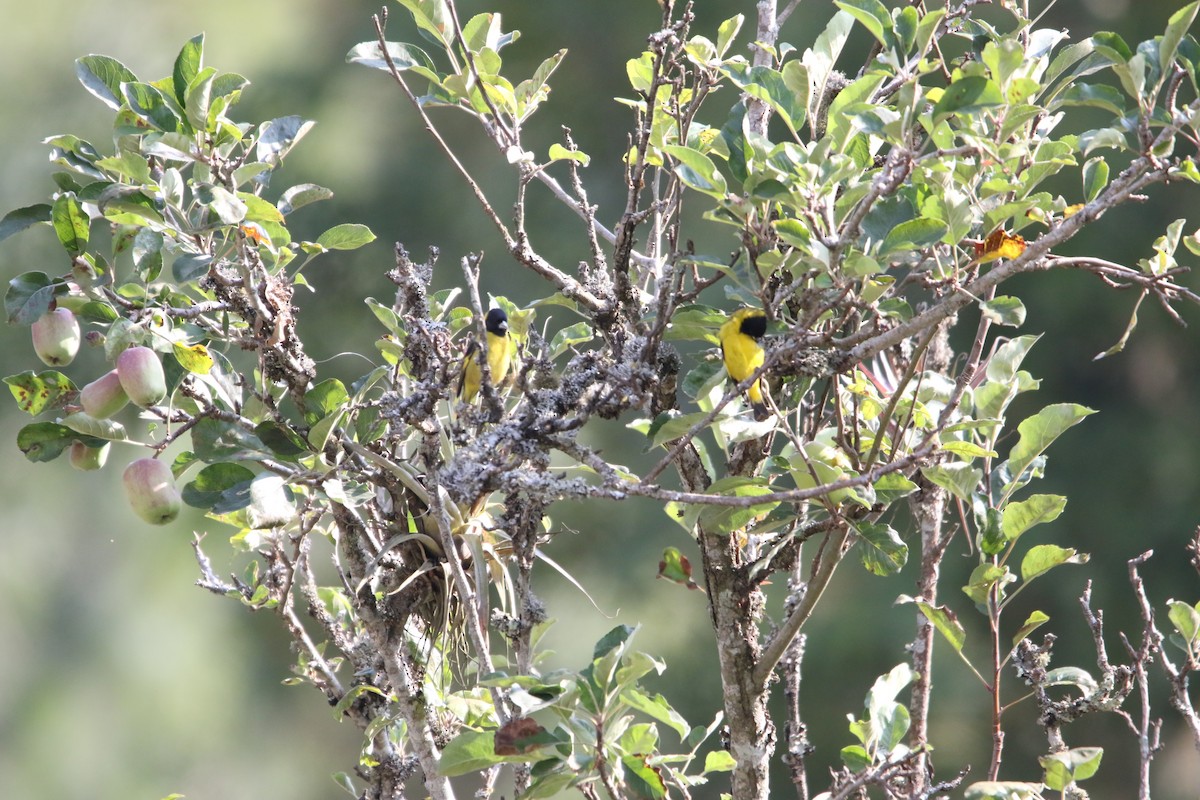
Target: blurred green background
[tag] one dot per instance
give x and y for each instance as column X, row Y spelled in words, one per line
column 120, row 679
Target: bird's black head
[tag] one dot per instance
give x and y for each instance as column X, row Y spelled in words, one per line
column 754, row 326
column 496, row 322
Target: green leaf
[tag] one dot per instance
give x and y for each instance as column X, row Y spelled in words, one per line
column 560, row 153
column 907, row 22
column 323, row 399
column 348, row 236
column 278, row 136
column 719, row 761
column 1074, row 677
column 683, row 515
column 128, row 205
column 1036, row 620
column 1021, row 516
column 404, row 56
column 965, row 449
column 1186, row 621
column 1003, row 790
column 639, row 738
column 1177, row 28
column 1093, row 96
column 1070, row 766
column 570, row 336
column 913, row 235
column 19, row 219
column 891, row 487
column 727, row 31
column 103, row 76
column 983, row 578
column 97, row 428
column 947, row 624
column 194, row 358
column 148, row 254
column 726, row 519
column 668, row 427
column 470, row 751
column 214, row 440
column 615, row 638
column 888, row 719
column 301, row 195
column 70, row 223
column 697, row 170
column 657, row 708
column 824, row 54
column 227, row 206
column 1003, row 58
column 674, row 566
column 856, row 757
column 190, row 267
column 76, row 155
column 1003, row 365
column 884, row 552
column 926, row 29
column 1004, row 310
column 786, row 92
column 841, row 126
column 29, row 295
column 1038, row 432
column 968, row 95
column 1113, row 46
column 228, row 85
column 1103, row 137
column 644, row 780
column 1045, row 557
column 530, row 93
column 44, row 441
column 197, row 101
column 872, row 15
column 958, row 478
column 283, row 441
column 991, row 533
column 148, row 103
column 206, row 490
column 35, row 393
column 187, row 67
column 1095, row 178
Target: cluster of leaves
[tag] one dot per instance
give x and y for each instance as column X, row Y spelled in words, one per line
column 888, row 202
column 595, row 738
column 172, row 245
column 866, row 212
column 183, row 192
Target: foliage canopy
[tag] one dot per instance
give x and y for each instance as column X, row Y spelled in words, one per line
column 869, row 211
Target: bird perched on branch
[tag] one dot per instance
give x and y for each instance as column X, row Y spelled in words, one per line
column 742, row 352
column 499, row 356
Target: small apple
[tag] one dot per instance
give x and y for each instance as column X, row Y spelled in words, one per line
column 104, row 396
column 56, row 337
column 142, row 376
column 151, row 491
column 88, row 458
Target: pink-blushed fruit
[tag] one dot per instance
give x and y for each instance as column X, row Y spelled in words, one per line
column 56, row 337
column 142, row 376
column 88, row 458
column 104, row 396
column 151, row 491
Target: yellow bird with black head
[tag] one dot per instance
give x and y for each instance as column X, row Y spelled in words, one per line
column 742, row 352
column 499, row 356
